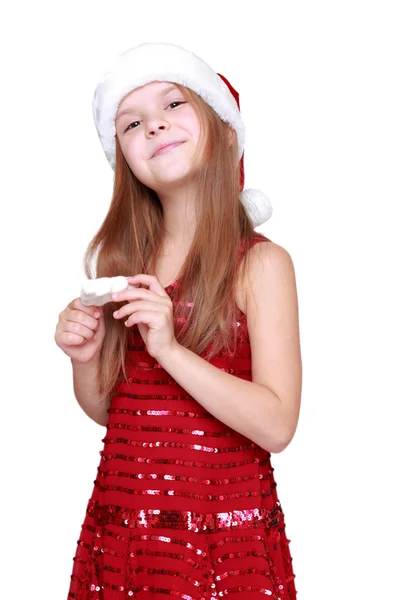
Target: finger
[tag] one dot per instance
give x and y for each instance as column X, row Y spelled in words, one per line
column 76, row 311
column 141, row 293
column 151, row 280
column 148, row 317
column 90, row 310
column 77, row 329
column 82, row 318
column 71, row 339
column 132, row 307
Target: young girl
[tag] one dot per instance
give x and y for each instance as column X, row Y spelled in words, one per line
column 196, row 371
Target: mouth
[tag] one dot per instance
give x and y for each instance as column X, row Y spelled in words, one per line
column 168, row 148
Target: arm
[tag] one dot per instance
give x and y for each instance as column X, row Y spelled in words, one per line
column 266, row 409
column 242, row 405
column 85, row 390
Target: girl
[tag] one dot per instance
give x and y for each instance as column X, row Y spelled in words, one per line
column 195, row 372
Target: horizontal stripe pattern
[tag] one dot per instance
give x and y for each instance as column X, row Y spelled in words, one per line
column 182, row 505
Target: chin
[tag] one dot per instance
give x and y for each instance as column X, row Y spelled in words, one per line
column 173, row 177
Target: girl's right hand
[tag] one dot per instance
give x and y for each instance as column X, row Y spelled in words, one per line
column 79, row 333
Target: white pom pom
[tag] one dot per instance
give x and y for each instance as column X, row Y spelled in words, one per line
column 97, row 292
column 258, row 206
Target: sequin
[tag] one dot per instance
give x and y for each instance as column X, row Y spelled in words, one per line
column 182, row 506
column 206, row 522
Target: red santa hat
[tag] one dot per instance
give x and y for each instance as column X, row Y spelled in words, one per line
column 150, row 62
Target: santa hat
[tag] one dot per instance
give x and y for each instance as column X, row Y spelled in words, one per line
column 167, row 62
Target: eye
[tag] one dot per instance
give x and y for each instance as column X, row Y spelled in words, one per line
column 130, row 125
column 177, row 102
column 133, row 123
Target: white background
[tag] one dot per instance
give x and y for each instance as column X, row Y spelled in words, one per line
column 318, row 86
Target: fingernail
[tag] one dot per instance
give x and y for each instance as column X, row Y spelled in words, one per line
column 97, row 314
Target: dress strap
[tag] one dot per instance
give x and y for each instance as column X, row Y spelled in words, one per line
column 255, row 240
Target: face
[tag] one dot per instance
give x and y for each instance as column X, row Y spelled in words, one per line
column 156, row 114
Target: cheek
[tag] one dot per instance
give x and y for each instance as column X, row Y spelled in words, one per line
column 132, row 153
column 189, row 120
column 194, row 125
column 131, row 147
column 197, row 136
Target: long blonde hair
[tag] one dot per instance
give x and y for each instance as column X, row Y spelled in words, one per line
column 129, row 241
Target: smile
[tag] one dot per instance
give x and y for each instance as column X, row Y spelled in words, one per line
column 168, row 148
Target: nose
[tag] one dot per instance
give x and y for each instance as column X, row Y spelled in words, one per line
column 155, row 125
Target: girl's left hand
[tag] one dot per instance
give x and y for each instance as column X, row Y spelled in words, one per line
column 152, row 311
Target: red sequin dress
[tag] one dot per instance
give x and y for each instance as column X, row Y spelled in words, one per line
column 183, row 506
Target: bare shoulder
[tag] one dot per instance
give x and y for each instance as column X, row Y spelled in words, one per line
column 268, row 263
column 273, row 326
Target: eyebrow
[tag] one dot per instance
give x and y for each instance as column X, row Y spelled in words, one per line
column 132, row 108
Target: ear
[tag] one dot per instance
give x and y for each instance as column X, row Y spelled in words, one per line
column 231, row 135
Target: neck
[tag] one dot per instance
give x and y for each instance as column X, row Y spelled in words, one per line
column 179, row 220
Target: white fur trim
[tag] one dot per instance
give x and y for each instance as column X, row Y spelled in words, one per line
column 258, row 206
column 160, row 62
